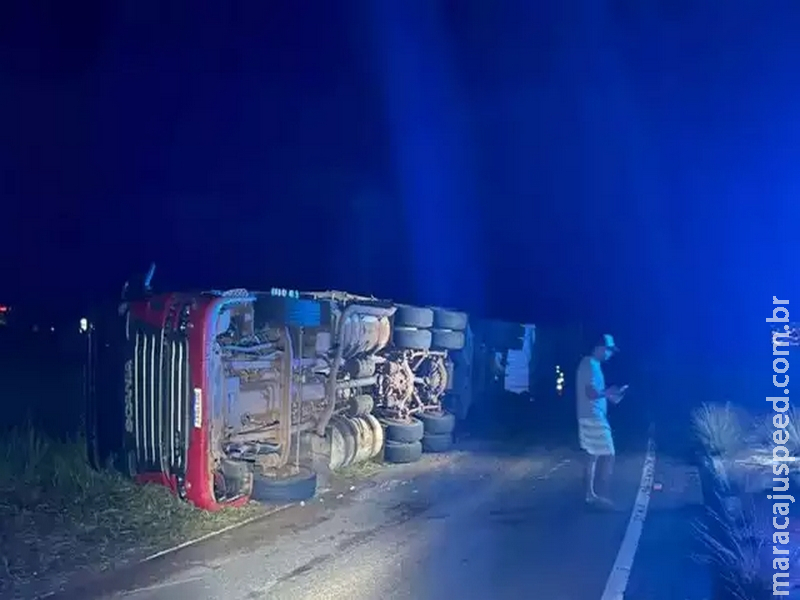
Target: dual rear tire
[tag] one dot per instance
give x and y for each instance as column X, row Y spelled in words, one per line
column 419, row 328
column 407, row 440
column 403, row 440
column 439, row 428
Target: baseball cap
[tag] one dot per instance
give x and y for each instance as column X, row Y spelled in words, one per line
column 608, row 342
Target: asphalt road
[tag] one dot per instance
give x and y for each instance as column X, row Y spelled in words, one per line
column 480, row 523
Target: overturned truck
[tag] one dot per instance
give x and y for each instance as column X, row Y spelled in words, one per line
column 227, row 397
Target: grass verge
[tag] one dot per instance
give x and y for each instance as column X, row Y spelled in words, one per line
column 360, row 471
column 737, row 532
column 734, row 546
column 59, row 517
column 718, row 428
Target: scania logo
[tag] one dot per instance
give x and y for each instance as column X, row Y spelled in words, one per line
column 129, row 396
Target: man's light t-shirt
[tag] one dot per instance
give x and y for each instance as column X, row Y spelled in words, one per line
column 590, row 372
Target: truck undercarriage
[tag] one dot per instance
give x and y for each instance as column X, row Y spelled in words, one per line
column 330, row 364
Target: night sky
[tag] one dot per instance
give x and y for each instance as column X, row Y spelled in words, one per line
column 593, row 160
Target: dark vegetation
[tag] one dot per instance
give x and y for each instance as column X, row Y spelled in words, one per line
column 58, row 516
column 735, row 457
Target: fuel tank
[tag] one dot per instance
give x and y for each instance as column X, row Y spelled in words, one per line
column 363, row 334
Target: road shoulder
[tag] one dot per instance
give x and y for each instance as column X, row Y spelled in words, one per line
column 667, row 564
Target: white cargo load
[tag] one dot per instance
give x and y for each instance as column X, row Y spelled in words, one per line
column 518, row 362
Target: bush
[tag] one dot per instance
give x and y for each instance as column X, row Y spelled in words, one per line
column 718, row 428
column 767, row 428
column 734, row 547
column 734, row 456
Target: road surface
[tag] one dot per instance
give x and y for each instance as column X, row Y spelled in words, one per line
column 488, row 522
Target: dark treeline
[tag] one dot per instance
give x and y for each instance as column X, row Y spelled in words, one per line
column 41, row 380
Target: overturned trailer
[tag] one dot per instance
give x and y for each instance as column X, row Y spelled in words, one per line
column 227, row 397
column 497, row 361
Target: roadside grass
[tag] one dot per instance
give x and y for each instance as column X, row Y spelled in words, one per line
column 766, row 428
column 738, row 458
column 359, row 471
column 60, row 517
column 718, row 427
column 734, row 547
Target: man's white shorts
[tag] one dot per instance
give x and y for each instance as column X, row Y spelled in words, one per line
column 595, row 436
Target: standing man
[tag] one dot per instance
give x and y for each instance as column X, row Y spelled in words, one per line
column 593, row 427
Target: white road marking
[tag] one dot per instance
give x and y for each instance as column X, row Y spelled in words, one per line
column 621, row 571
column 215, row 533
column 160, row 586
column 553, row 469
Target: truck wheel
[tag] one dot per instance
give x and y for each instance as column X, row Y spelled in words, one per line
column 446, row 339
column 400, row 453
column 440, row 442
column 348, row 433
column 450, row 319
column 409, row 338
column 378, row 434
column 438, row 423
column 283, row 490
column 413, row 316
column 404, row 432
